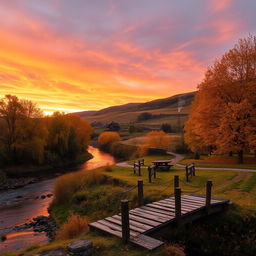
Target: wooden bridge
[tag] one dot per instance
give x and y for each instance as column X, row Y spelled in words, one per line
column 137, row 225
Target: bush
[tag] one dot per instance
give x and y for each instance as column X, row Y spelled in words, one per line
column 158, row 139
column 67, row 185
column 123, row 151
column 74, row 227
column 172, row 250
column 144, row 116
column 106, row 139
column 108, row 169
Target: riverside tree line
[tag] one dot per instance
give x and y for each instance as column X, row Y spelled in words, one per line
column 27, row 137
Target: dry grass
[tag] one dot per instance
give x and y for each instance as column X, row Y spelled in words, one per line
column 66, row 185
column 173, row 250
column 74, row 227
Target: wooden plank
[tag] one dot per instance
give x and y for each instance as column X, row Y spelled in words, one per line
column 148, row 210
column 153, row 223
column 213, row 197
column 132, row 227
column 200, row 199
column 186, row 203
column 146, row 242
column 153, row 205
column 115, row 227
column 171, row 205
column 148, row 215
column 135, row 223
column 105, row 229
column 153, row 210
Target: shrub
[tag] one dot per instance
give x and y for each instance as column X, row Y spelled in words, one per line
column 74, row 227
column 172, row 250
column 2, row 176
column 157, row 139
column 123, row 151
column 108, row 169
column 67, row 185
column 106, row 139
column 144, row 116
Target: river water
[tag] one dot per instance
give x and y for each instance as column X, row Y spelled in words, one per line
column 21, row 205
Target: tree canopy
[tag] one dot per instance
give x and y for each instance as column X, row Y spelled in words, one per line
column 223, row 116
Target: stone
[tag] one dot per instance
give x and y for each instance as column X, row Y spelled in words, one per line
column 80, row 248
column 43, row 196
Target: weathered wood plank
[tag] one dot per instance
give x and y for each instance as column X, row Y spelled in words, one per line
column 115, row 227
column 134, row 223
column 146, row 242
column 171, row 205
column 132, row 227
column 186, row 204
column 152, row 223
column 105, row 229
column 153, row 205
column 149, row 215
column 153, row 210
column 200, row 199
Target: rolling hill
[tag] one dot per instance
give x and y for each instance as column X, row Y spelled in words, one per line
column 163, row 110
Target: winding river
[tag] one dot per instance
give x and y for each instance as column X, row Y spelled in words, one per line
column 21, row 205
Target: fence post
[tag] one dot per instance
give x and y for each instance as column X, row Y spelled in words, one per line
column 140, row 193
column 125, row 221
column 154, row 169
column 149, row 174
column 194, row 170
column 134, row 166
column 139, row 170
column 177, row 204
column 186, row 173
column 176, row 182
column 208, row 194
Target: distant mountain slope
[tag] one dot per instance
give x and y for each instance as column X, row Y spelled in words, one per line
column 129, row 112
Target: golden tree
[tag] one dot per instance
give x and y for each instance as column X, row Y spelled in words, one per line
column 224, row 110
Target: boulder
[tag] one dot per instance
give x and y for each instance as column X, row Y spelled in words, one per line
column 80, row 248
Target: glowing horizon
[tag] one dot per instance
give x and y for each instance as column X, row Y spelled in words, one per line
column 87, row 55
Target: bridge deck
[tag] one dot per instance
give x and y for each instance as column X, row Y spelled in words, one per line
column 154, row 216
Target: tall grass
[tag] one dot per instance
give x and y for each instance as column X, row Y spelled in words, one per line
column 67, row 185
column 75, row 226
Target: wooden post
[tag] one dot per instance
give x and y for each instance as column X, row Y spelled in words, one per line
column 140, row 193
column 134, row 166
column 139, row 170
column 149, row 174
column 154, row 169
column 176, row 182
column 125, row 221
column 186, row 173
column 208, row 193
column 177, row 204
column 194, row 170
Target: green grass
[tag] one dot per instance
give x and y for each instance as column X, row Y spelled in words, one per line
column 250, row 184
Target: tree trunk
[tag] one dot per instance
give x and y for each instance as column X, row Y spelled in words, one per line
column 241, row 157
column 230, row 153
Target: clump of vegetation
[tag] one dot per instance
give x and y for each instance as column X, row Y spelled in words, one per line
column 144, row 116
column 2, row 176
column 67, row 185
column 173, row 250
column 29, row 137
column 157, row 139
column 106, row 139
column 74, row 227
column 223, row 113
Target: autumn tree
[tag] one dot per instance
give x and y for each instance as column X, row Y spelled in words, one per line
column 105, row 139
column 224, row 110
column 157, row 139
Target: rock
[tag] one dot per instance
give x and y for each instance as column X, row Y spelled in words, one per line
column 80, row 248
column 49, row 195
column 43, row 196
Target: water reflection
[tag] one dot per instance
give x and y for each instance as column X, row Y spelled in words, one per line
column 22, row 205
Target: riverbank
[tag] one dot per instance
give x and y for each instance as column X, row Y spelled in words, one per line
column 32, row 174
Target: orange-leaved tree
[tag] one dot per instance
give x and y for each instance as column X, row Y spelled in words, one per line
column 224, row 110
column 106, row 139
column 157, row 139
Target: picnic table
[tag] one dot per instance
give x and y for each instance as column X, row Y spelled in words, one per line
column 162, row 164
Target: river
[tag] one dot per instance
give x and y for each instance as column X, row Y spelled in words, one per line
column 21, row 205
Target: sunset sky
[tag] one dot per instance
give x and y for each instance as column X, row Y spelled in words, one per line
column 74, row 55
